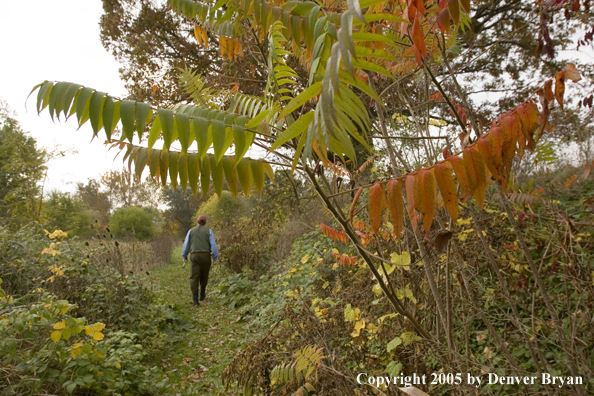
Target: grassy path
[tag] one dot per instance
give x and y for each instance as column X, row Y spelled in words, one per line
column 196, row 364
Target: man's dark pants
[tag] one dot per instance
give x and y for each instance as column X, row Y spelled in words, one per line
column 200, row 269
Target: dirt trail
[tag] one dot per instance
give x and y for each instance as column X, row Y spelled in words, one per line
column 196, row 365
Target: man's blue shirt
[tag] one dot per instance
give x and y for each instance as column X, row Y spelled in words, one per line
column 213, row 246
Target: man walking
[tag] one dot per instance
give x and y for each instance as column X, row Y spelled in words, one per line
column 199, row 243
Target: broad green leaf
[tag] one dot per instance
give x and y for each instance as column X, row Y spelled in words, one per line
column 168, row 127
column 301, row 99
column 155, row 132
column 371, row 66
column 127, row 115
column 182, row 170
column 143, row 115
column 216, row 169
column 173, row 160
column 43, row 95
column 109, row 121
column 95, row 110
column 294, row 130
column 140, row 161
column 193, row 171
column 258, row 174
column 68, row 98
column 55, row 98
column 231, row 174
column 244, row 172
column 182, row 125
column 164, row 166
column 347, row 28
column 82, row 106
column 268, row 171
column 205, row 174
column 203, row 134
column 255, row 122
column 239, row 139
column 355, row 8
column 218, row 139
column 154, row 164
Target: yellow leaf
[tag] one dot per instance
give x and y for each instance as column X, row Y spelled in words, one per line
column 89, row 330
column 372, row 328
column 98, row 336
column 305, row 258
column 60, row 325
column 56, row 335
column 99, row 326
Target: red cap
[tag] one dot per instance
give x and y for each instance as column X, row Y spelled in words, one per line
column 202, row 218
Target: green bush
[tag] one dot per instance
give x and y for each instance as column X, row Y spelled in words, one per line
column 43, row 349
column 133, row 222
column 32, row 261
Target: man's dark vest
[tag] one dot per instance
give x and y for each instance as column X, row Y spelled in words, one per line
column 199, row 239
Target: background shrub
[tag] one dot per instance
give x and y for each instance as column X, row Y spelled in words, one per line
column 134, row 222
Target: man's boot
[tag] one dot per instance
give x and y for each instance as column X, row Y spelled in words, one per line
column 195, row 298
column 202, row 295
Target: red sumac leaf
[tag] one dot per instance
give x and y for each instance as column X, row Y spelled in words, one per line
column 485, row 146
column 417, row 37
column 396, row 206
column 443, row 20
column 410, row 188
column 377, row 199
column 426, row 190
column 459, row 167
column 528, row 115
column 454, row 8
column 354, row 203
column 477, row 174
column 447, row 188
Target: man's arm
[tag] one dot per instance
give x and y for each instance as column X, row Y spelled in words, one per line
column 213, row 246
column 186, row 247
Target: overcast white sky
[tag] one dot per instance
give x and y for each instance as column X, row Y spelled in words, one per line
column 57, row 40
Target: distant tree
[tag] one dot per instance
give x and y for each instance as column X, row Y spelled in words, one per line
column 66, row 212
column 181, row 207
column 125, row 189
column 95, row 199
column 22, row 167
column 133, row 222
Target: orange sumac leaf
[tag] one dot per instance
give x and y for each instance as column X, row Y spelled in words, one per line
column 570, row 181
column 508, row 151
column 560, row 87
column 417, row 37
column 426, row 190
column 447, row 188
column 477, row 174
column 513, row 126
column 377, row 200
column 459, row 167
column 528, row 115
column 420, row 6
column 396, row 206
column 443, row 20
column 466, row 5
column 332, row 233
column 454, row 8
column 485, row 146
column 410, row 187
column 354, row 203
